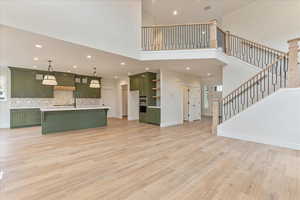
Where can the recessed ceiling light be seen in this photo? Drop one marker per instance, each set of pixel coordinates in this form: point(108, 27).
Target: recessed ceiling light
point(188, 68)
point(116, 77)
point(208, 74)
point(88, 56)
point(69, 71)
point(38, 46)
point(123, 63)
point(175, 12)
point(147, 68)
point(74, 66)
point(35, 58)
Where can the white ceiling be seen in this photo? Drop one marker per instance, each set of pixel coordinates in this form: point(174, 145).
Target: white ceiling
point(18, 49)
point(189, 11)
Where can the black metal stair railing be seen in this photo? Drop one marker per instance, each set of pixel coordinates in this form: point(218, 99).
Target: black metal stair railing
point(175, 37)
point(266, 82)
point(251, 52)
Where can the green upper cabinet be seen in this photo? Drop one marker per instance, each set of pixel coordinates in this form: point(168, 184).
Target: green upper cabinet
point(83, 90)
point(65, 79)
point(134, 83)
point(144, 84)
point(27, 83)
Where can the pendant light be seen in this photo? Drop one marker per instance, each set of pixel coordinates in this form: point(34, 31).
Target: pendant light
point(49, 79)
point(95, 82)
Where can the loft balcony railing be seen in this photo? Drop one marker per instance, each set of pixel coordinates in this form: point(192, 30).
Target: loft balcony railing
point(176, 37)
point(207, 35)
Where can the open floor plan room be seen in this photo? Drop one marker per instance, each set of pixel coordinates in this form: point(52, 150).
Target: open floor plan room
point(150, 100)
point(129, 160)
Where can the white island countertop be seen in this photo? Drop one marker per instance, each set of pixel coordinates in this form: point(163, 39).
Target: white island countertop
point(72, 108)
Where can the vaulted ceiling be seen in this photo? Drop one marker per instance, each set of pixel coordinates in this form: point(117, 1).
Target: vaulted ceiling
point(189, 11)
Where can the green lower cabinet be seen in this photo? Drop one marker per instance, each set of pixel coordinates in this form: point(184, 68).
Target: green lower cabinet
point(143, 117)
point(153, 116)
point(60, 121)
point(25, 117)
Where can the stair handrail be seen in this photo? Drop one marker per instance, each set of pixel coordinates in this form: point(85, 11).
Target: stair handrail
point(262, 84)
point(260, 46)
point(259, 73)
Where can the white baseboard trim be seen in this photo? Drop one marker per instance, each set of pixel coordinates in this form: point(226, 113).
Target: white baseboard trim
point(170, 124)
point(261, 140)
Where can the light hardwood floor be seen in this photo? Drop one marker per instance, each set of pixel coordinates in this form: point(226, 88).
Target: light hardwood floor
point(132, 161)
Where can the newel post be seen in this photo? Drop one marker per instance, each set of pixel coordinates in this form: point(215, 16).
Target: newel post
point(213, 34)
point(215, 116)
point(227, 43)
point(293, 71)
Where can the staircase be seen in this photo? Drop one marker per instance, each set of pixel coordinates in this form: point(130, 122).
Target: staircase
point(277, 69)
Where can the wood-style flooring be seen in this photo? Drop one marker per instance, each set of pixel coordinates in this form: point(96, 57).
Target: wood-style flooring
point(133, 161)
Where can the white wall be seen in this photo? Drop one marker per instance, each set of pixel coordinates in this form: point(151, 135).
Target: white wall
point(271, 22)
point(274, 120)
point(236, 72)
point(4, 110)
point(172, 95)
point(108, 25)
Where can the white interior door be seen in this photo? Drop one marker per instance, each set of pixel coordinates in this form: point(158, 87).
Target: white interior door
point(185, 104)
point(194, 104)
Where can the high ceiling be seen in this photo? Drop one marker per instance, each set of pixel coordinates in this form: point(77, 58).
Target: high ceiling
point(189, 11)
point(18, 49)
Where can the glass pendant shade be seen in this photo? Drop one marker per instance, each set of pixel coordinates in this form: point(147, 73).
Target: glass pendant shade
point(95, 83)
point(49, 79)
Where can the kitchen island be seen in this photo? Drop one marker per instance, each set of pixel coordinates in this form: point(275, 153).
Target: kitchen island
point(65, 119)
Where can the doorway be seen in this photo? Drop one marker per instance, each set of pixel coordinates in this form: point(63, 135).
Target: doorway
point(124, 101)
point(191, 104)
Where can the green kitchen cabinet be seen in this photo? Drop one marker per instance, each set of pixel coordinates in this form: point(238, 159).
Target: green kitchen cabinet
point(27, 83)
point(65, 79)
point(25, 117)
point(143, 117)
point(153, 116)
point(83, 89)
point(134, 83)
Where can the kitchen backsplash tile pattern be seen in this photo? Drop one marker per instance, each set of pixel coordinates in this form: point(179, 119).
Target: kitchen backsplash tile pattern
point(60, 98)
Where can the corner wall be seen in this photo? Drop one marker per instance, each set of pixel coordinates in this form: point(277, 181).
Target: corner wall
point(109, 25)
point(172, 95)
point(269, 22)
point(274, 120)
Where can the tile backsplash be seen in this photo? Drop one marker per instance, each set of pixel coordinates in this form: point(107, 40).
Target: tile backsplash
point(60, 98)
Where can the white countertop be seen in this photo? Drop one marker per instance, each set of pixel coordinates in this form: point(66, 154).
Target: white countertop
point(153, 106)
point(72, 108)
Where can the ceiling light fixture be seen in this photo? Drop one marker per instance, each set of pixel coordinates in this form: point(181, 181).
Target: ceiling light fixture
point(38, 46)
point(74, 66)
point(208, 74)
point(175, 12)
point(188, 68)
point(147, 68)
point(35, 58)
point(123, 63)
point(49, 79)
point(88, 56)
point(95, 83)
point(116, 77)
